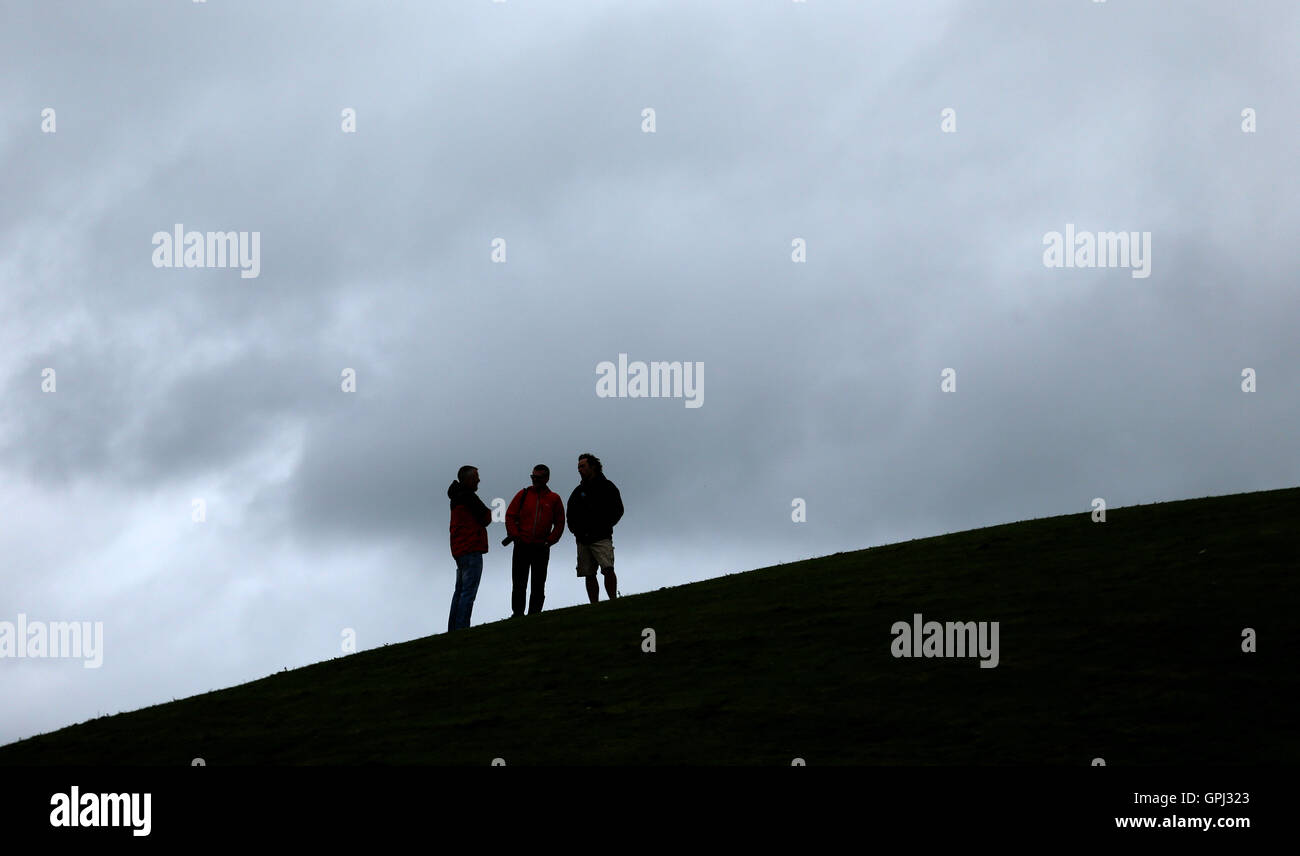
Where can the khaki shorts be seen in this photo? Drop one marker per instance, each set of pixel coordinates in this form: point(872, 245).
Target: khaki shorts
point(597, 553)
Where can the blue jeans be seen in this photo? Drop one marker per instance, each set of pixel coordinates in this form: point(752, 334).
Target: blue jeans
point(469, 570)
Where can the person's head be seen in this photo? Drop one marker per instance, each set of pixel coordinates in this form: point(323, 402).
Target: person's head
point(589, 465)
point(541, 475)
point(468, 476)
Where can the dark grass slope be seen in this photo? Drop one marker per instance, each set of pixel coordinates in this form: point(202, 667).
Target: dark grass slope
point(1119, 640)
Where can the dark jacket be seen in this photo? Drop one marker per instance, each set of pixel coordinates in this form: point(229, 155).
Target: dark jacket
point(535, 517)
point(469, 520)
point(594, 507)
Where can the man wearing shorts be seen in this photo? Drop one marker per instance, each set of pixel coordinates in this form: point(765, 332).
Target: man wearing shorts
point(595, 507)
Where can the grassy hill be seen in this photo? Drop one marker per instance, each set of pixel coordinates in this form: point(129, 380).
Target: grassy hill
point(1119, 640)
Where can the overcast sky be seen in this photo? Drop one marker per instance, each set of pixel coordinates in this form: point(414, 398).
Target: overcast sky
point(923, 234)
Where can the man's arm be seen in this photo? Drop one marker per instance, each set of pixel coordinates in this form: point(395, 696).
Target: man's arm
point(512, 514)
point(615, 505)
point(557, 521)
point(571, 517)
point(482, 513)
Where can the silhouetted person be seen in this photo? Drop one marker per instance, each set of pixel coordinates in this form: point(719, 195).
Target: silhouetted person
point(595, 506)
point(469, 521)
point(535, 520)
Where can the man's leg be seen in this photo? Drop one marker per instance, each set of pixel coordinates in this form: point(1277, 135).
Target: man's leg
point(473, 574)
point(519, 579)
point(541, 557)
point(604, 552)
point(455, 597)
point(587, 569)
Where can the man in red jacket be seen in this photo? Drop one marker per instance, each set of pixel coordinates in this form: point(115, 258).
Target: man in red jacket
point(469, 521)
point(535, 520)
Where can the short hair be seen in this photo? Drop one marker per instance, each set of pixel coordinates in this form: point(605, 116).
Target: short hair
point(545, 469)
point(464, 471)
point(592, 461)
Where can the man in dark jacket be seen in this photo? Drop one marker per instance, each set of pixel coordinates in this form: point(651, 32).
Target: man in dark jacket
point(535, 520)
point(469, 521)
point(595, 506)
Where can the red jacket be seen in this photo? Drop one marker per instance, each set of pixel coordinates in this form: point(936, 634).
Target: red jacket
point(535, 518)
point(469, 520)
